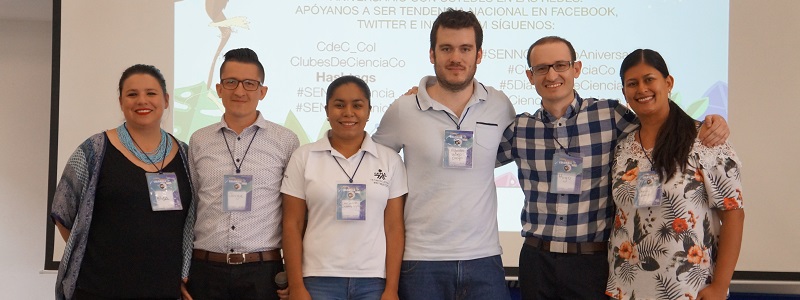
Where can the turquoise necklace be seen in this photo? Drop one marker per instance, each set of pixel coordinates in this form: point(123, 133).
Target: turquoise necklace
point(164, 147)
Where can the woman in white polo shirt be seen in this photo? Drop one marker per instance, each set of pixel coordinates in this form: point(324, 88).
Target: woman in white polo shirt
point(351, 244)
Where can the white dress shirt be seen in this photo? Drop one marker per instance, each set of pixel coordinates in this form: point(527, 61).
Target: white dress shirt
point(259, 229)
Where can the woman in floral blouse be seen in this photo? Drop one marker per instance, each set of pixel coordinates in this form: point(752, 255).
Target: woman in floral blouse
point(678, 226)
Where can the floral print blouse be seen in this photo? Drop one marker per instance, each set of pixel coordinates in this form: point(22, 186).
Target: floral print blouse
point(668, 251)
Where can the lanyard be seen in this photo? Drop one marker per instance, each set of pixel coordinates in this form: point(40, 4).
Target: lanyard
point(560, 145)
point(239, 167)
point(553, 130)
point(164, 158)
point(645, 151)
point(354, 172)
point(458, 125)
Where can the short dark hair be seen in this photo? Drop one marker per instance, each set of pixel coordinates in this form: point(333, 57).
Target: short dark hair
point(548, 40)
point(345, 80)
point(243, 55)
point(457, 19)
point(675, 138)
point(143, 69)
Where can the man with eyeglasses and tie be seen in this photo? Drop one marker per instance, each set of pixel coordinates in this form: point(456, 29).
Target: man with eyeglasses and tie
point(563, 151)
point(237, 166)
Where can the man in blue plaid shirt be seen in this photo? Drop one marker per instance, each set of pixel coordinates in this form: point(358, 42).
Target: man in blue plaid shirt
point(568, 214)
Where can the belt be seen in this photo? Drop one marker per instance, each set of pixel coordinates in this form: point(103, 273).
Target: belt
point(235, 258)
point(565, 247)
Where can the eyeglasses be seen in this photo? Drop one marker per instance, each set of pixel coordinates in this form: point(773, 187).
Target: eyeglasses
point(559, 66)
point(249, 85)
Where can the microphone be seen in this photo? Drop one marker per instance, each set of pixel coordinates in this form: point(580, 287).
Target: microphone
point(281, 281)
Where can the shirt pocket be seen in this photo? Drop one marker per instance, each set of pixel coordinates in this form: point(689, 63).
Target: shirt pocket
point(488, 135)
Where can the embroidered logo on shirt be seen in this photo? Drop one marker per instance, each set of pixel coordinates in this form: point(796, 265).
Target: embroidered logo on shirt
point(380, 178)
point(380, 175)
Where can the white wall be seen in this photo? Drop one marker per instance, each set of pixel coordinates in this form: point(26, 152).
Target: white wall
point(765, 119)
point(25, 60)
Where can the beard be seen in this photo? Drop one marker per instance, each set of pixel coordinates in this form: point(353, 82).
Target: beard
point(453, 86)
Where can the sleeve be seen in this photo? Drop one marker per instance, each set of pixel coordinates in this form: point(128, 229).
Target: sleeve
point(188, 227)
point(192, 158)
point(293, 183)
point(71, 187)
point(399, 184)
point(722, 177)
point(626, 119)
point(294, 143)
point(389, 130)
point(509, 113)
point(504, 154)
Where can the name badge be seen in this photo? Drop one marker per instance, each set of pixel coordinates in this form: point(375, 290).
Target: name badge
point(237, 194)
point(567, 174)
point(351, 202)
point(648, 189)
point(458, 149)
point(164, 193)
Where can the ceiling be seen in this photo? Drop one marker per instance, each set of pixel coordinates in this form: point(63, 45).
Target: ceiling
point(33, 10)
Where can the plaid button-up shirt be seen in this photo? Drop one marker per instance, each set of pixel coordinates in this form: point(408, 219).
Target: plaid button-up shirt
point(589, 129)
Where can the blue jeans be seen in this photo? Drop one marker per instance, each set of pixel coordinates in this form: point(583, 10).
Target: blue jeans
point(345, 288)
point(478, 279)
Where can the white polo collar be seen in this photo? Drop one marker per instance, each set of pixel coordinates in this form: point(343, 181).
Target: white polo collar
point(324, 144)
point(425, 102)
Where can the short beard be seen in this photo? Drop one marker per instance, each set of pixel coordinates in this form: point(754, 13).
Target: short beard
point(453, 86)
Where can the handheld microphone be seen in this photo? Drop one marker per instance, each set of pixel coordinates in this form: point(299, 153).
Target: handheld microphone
point(281, 281)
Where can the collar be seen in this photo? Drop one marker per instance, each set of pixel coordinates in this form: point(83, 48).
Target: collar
point(260, 122)
point(425, 102)
point(324, 144)
point(572, 110)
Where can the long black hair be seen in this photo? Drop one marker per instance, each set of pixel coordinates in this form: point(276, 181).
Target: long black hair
point(676, 136)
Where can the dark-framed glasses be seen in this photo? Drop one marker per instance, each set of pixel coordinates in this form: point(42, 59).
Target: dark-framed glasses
point(559, 66)
point(247, 84)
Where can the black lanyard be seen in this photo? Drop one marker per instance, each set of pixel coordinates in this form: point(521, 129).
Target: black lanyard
point(354, 172)
point(652, 166)
point(239, 167)
point(159, 170)
point(553, 130)
point(458, 125)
